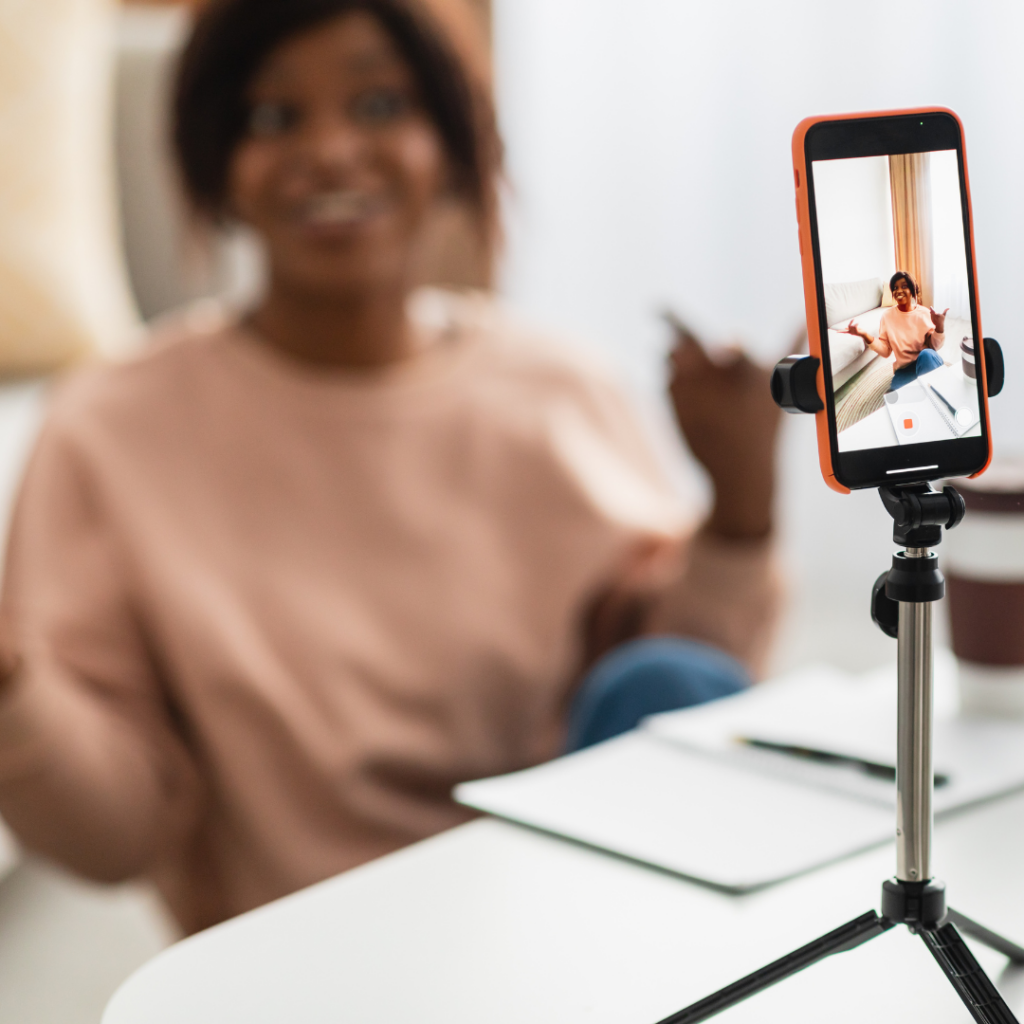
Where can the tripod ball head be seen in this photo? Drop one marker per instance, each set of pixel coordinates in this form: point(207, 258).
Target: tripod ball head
point(920, 514)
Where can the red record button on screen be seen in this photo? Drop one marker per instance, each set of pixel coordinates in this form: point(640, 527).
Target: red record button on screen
point(908, 424)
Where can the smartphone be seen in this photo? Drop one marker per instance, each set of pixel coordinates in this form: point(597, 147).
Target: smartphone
point(887, 245)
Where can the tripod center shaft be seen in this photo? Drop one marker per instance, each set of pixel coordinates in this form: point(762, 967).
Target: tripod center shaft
point(914, 774)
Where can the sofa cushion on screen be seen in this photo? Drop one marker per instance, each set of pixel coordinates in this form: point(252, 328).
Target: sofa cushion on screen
point(63, 288)
point(846, 349)
point(843, 350)
point(850, 298)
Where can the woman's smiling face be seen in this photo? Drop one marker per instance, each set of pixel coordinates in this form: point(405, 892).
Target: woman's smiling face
point(341, 165)
point(901, 293)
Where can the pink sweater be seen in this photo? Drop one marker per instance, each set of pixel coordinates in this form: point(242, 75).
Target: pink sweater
point(904, 334)
point(270, 615)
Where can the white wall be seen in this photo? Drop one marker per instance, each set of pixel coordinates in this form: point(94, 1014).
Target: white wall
point(949, 257)
point(854, 205)
point(649, 152)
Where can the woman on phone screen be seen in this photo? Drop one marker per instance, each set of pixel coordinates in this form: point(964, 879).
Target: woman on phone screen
point(279, 583)
point(911, 333)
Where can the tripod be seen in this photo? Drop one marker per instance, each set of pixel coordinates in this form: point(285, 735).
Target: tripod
point(901, 605)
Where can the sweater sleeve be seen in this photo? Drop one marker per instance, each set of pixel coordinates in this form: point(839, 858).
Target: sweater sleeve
point(724, 592)
point(93, 772)
point(727, 593)
point(883, 336)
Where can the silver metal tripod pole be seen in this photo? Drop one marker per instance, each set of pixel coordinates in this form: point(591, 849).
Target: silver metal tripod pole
point(914, 775)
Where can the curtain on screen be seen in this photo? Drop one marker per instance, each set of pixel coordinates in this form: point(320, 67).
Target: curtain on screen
point(910, 181)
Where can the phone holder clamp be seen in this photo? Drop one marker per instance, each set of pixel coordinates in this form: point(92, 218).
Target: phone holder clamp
point(794, 384)
point(995, 368)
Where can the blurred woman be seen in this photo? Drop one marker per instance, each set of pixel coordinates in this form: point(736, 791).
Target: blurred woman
point(277, 585)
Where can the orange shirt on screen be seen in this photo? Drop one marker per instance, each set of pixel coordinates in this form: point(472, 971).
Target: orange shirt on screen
point(904, 334)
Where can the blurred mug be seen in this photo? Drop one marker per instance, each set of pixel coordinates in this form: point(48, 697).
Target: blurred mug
point(967, 355)
point(984, 568)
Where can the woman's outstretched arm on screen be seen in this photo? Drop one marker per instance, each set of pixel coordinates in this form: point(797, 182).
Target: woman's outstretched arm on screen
point(879, 344)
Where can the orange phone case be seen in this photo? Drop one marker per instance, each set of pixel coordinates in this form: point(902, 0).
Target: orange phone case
point(811, 287)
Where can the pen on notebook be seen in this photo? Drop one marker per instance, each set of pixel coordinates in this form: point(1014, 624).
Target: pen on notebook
point(872, 768)
point(945, 401)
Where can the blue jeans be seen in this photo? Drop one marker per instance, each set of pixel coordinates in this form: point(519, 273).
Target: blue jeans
point(927, 361)
point(645, 677)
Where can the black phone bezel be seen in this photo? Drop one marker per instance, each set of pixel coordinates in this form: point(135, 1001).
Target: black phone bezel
point(883, 136)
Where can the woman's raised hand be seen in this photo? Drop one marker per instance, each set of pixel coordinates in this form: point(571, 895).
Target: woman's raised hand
point(939, 320)
point(852, 328)
point(724, 407)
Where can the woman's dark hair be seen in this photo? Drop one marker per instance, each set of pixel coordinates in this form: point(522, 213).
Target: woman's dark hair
point(911, 283)
point(232, 40)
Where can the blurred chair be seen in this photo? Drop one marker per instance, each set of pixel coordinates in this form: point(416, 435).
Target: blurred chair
point(171, 259)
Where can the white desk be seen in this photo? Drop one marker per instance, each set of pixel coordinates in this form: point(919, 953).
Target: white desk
point(494, 923)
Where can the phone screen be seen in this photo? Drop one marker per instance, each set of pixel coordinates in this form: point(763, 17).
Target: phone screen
point(897, 305)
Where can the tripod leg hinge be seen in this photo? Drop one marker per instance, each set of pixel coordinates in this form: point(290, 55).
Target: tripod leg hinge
point(919, 905)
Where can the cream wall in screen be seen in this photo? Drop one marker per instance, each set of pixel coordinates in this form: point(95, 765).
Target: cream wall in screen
point(854, 206)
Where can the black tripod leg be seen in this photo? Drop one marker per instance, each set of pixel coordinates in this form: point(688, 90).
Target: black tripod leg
point(850, 935)
point(969, 980)
point(990, 939)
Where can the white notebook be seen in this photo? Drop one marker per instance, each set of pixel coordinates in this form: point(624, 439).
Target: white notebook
point(938, 406)
point(824, 709)
point(955, 396)
point(914, 416)
point(680, 794)
point(649, 800)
